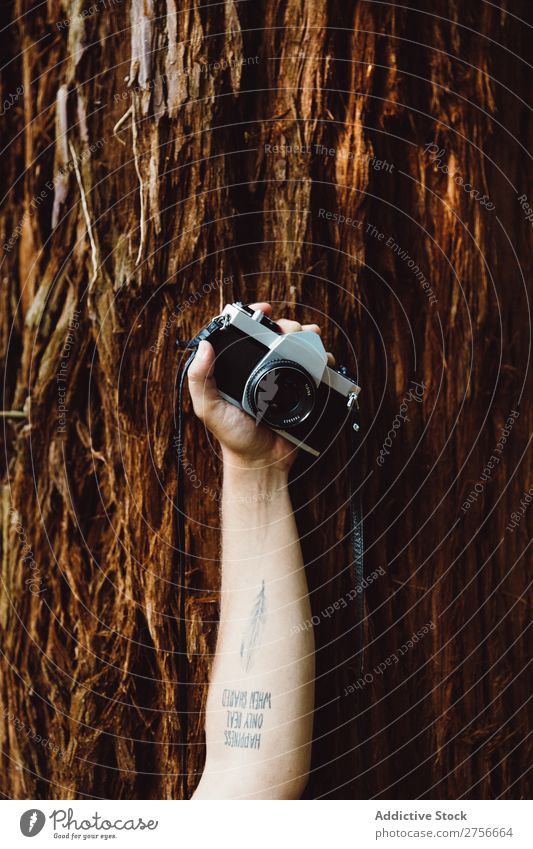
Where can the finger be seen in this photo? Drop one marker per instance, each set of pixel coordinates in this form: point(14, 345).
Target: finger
point(263, 306)
point(202, 385)
point(313, 327)
point(289, 326)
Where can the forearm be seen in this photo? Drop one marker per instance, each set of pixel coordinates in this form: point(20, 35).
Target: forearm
point(260, 703)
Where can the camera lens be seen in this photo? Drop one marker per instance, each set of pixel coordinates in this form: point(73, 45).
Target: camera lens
point(281, 394)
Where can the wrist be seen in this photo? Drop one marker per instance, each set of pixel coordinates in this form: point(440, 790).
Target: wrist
point(250, 467)
point(254, 475)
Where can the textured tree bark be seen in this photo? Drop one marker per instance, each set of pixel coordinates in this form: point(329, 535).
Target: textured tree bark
point(163, 159)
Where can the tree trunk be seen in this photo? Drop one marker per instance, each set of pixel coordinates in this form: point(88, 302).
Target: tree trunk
point(165, 158)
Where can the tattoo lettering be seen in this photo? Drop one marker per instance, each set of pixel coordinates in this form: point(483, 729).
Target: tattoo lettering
point(252, 635)
point(245, 716)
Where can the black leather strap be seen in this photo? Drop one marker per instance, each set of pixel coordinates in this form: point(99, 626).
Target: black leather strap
point(356, 516)
point(183, 663)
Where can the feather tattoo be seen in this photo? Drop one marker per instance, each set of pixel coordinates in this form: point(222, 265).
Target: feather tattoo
point(252, 635)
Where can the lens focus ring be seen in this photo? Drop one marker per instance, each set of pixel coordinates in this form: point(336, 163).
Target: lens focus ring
point(281, 394)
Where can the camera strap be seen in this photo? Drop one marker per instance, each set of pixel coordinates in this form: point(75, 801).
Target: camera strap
point(183, 662)
point(356, 565)
point(357, 540)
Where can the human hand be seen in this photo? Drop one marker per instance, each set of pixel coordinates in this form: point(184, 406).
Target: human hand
point(244, 443)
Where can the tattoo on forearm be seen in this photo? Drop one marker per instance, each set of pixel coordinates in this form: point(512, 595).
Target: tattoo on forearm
point(251, 638)
point(244, 717)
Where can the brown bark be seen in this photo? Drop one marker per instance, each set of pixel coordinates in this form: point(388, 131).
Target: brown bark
point(151, 122)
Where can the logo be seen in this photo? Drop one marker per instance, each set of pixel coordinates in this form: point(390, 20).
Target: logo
point(32, 822)
point(268, 389)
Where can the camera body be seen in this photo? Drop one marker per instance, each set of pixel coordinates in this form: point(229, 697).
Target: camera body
point(281, 380)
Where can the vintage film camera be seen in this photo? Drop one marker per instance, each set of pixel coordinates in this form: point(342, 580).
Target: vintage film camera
point(282, 380)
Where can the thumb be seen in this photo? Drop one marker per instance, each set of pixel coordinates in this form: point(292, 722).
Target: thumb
point(202, 385)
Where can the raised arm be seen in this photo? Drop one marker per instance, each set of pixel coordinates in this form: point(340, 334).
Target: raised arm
point(260, 703)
